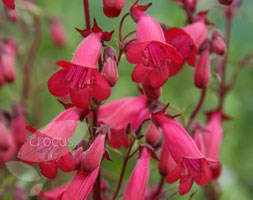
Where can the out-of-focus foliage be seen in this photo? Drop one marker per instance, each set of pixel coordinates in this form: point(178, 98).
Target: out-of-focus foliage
point(236, 153)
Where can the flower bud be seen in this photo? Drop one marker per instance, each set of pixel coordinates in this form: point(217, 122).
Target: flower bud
point(94, 154)
point(11, 14)
point(166, 162)
point(202, 73)
point(110, 68)
point(152, 135)
point(112, 8)
point(226, 2)
point(7, 61)
point(57, 32)
point(218, 43)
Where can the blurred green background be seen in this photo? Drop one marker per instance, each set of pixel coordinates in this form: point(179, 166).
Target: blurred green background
point(236, 152)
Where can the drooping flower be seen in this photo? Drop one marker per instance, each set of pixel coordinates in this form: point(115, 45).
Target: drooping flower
point(110, 68)
point(57, 32)
point(9, 3)
point(93, 156)
point(138, 181)
point(80, 78)
point(212, 140)
point(192, 165)
point(112, 8)
point(150, 52)
point(48, 147)
point(81, 186)
point(118, 114)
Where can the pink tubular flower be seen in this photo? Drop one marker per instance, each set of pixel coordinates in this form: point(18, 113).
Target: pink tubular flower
point(197, 31)
point(191, 164)
point(110, 68)
point(7, 145)
point(9, 3)
point(138, 181)
point(120, 113)
point(81, 186)
point(202, 72)
point(150, 52)
point(93, 156)
point(112, 8)
point(57, 32)
point(80, 78)
point(212, 140)
point(48, 146)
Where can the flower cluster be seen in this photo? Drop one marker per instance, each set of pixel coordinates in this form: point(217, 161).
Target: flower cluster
point(188, 152)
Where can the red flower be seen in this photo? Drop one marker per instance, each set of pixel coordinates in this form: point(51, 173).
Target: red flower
point(80, 78)
point(138, 181)
point(191, 164)
point(120, 113)
point(48, 146)
point(9, 3)
point(112, 8)
point(150, 52)
point(218, 43)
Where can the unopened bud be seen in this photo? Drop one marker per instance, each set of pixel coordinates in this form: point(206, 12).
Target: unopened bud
point(226, 2)
point(112, 8)
point(218, 43)
point(57, 32)
point(94, 154)
point(11, 14)
point(152, 135)
point(110, 69)
point(202, 73)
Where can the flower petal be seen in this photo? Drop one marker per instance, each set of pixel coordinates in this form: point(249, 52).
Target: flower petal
point(48, 169)
point(185, 184)
point(134, 53)
point(80, 98)
point(56, 84)
point(101, 90)
point(139, 73)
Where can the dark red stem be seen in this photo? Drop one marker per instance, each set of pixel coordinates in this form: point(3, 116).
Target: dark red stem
point(123, 170)
point(27, 70)
point(188, 11)
point(198, 107)
point(158, 191)
point(86, 13)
